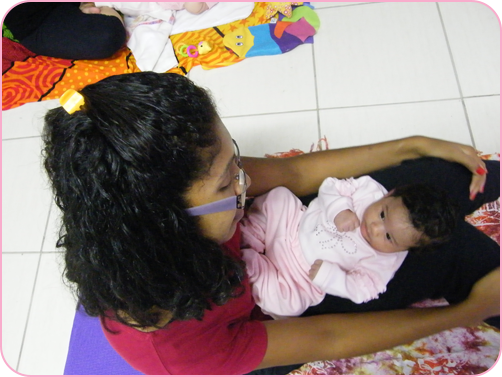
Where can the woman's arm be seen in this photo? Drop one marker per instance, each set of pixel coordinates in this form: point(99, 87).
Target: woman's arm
point(336, 336)
point(304, 174)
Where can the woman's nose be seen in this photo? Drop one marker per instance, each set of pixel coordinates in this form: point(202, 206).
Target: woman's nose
point(248, 180)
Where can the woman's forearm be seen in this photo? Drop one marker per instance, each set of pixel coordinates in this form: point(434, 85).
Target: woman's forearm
point(336, 336)
point(304, 174)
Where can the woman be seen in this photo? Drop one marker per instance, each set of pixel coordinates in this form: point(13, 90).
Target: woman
point(151, 187)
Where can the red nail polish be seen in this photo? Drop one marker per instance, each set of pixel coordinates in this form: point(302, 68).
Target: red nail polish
point(480, 171)
point(472, 196)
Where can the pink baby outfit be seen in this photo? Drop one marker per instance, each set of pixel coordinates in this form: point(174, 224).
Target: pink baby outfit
point(281, 239)
point(180, 6)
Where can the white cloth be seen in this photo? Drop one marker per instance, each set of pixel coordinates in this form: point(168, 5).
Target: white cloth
point(149, 26)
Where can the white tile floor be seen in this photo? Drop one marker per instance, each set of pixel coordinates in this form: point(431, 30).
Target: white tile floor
point(376, 71)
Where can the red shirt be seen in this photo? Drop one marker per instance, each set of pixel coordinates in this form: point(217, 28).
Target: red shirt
point(227, 341)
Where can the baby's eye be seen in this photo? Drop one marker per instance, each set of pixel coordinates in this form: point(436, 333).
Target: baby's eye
point(382, 215)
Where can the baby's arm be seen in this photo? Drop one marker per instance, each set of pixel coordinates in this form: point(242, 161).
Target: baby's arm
point(336, 199)
point(358, 285)
point(335, 196)
point(89, 8)
point(196, 8)
point(346, 221)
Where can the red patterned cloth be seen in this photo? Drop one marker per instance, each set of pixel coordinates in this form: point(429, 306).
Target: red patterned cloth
point(13, 52)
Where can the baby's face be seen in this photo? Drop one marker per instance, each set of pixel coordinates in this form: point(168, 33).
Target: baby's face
point(386, 226)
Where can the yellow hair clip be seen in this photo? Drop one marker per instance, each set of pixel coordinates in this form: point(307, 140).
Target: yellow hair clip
point(72, 101)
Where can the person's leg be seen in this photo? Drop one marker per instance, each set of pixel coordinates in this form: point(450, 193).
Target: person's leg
point(68, 33)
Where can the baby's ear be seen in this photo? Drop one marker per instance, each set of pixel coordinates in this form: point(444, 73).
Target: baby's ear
point(390, 193)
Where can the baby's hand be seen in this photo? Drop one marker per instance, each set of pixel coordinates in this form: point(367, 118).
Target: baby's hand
point(89, 8)
point(314, 269)
point(346, 221)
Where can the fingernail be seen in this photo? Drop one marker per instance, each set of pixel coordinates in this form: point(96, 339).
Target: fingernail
point(480, 171)
point(472, 195)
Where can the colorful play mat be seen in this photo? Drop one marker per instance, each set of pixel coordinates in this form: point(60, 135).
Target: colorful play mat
point(270, 29)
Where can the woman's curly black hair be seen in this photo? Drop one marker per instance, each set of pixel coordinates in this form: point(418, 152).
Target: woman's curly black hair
point(119, 169)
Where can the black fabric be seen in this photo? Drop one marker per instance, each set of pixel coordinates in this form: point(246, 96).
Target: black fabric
point(451, 270)
point(61, 30)
point(25, 18)
point(276, 370)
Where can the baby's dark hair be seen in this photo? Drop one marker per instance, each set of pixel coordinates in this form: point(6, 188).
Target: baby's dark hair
point(120, 169)
point(432, 213)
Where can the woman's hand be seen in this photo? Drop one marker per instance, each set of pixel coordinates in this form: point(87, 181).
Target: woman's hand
point(460, 153)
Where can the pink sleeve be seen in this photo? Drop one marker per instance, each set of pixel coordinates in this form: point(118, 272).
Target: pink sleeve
point(358, 285)
point(335, 195)
point(170, 5)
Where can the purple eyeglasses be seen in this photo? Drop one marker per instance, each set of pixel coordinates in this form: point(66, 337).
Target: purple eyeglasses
point(227, 204)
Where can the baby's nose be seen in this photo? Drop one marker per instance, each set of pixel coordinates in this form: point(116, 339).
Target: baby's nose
point(376, 229)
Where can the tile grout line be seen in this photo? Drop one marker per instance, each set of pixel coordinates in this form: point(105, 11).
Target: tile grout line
point(46, 227)
point(33, 290)
point(462, 98)
point(21, 138)
point(361, 106)
point(29, 313)
point(318, 115)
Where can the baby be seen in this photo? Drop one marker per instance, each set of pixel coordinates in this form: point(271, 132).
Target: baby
point(349, 242)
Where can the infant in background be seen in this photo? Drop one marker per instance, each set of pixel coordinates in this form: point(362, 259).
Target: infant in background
point(349, 242)
point(194, 8)
point(152, 8)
